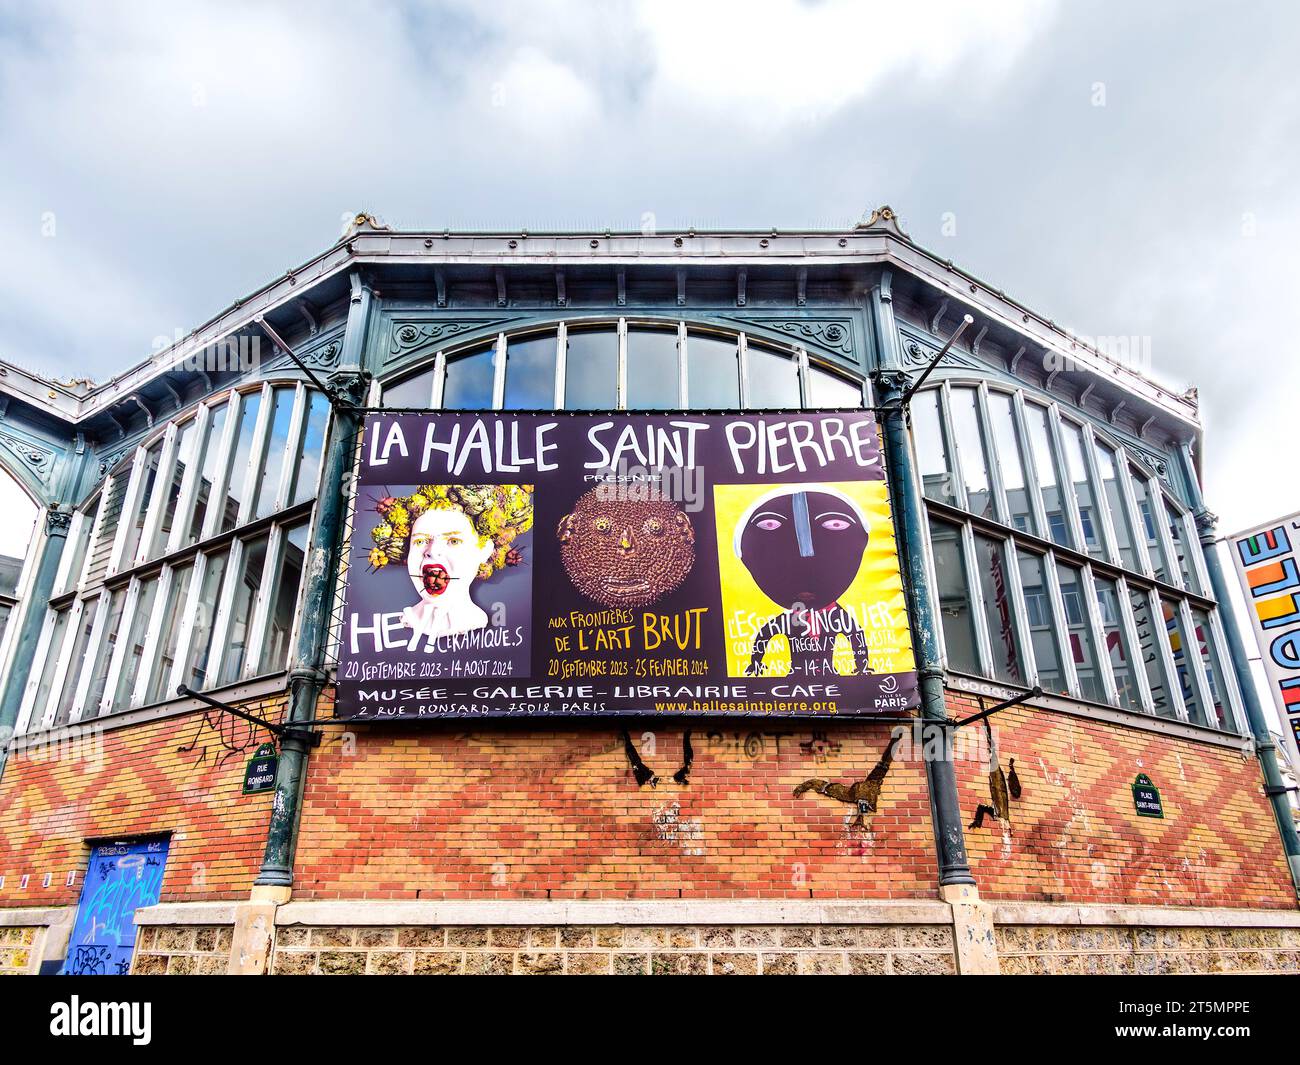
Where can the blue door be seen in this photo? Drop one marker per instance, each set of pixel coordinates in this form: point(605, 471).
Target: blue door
point(120, 879)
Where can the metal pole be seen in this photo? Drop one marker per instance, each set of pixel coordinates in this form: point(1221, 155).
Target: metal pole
point(909, 517)
point(306, 677)
point(321, 386)
point(966, 322)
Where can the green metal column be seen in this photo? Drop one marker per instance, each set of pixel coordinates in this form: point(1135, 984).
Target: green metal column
point(1265, 748)
point(33, 607)
point(306, 673)
point(909, 518)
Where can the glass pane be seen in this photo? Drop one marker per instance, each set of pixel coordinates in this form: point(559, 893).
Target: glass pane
point(160, 688)
point(149, 476)
point(1214, 674)
point(773, 380)
point(652, 374)
point(186, 443)
point(828, 390)
point(1082, 484)
point(713, 372)
point(200, 673)
point(50, 667)
point(1040, 440)
point(1142, 495)
point(11, 568)
point(1117, 643)
point(530, 373)
point(1183, 666)
point(277, 446)
point(104, 654)
point(1008, 447)
point(414, 391)
point(137, 636)
point(968, 442)
point(241, 609)
point(293, 550)
point(77, 662)
point(996, 597)
point(951, 589)
point(6, 611)
point(1082, 647)
point(1042, 630)
point(239, 466)
point(1149, 635)
point(313, 447)
point(208, 472)
point(931, 448)
point(469, 380)
point(591, 371)
point(1177, 528)
point(1106, 464)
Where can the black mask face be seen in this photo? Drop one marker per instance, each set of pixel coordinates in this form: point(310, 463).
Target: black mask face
point(803, 548)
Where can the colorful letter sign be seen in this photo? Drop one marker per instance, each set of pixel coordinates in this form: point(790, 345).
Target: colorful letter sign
point(525, 564)
point(1268, 563)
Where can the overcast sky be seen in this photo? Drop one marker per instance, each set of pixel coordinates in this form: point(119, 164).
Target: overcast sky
point(1123, 169)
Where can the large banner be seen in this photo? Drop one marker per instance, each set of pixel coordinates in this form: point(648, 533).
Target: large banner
point(525, 564)
point(1268, 562)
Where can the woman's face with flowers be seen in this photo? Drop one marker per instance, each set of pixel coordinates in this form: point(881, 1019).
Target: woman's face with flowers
point(444, 549)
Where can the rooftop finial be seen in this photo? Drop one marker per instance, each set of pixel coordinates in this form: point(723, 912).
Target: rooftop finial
point(882, 217)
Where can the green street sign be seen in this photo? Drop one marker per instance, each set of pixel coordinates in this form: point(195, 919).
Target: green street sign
point(1146, 797)
point(259, 772)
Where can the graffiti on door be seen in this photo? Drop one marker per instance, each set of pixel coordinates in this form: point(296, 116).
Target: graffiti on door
point(120, 879)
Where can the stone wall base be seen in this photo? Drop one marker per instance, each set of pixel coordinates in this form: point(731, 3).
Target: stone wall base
point(34, 939)
point(717, 950)
point(957, 935)
point(1041, 940)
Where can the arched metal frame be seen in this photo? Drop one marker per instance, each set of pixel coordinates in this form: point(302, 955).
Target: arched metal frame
point(1161, 575)
point(123, 572)
point(434, 366)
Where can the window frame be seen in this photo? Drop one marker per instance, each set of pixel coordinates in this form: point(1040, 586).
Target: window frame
point(497, 348)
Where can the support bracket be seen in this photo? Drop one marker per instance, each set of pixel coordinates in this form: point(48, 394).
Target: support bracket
point(1033, 693)
point(296, 731)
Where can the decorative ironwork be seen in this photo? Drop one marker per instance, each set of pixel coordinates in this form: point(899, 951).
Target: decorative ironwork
point(825, 333)
point(407, 336)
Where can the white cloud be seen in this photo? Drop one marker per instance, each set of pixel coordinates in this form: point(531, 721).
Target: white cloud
point(20, 515)
point(760, 61)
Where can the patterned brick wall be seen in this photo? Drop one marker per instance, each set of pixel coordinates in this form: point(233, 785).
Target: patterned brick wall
point(1073, 835)
point(179, 774)
point(551, 810)
point(544, 810)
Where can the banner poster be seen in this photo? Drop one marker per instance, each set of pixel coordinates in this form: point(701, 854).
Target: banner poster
point(532, 564)
point(1267, 561)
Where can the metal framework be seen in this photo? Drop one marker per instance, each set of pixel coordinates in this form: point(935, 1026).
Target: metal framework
point(162, 579)
point(1137, 589)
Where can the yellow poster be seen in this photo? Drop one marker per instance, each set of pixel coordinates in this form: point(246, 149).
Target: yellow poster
point(810, 580)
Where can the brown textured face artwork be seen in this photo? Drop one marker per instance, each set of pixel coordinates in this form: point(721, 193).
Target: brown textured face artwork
point(626, 552)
